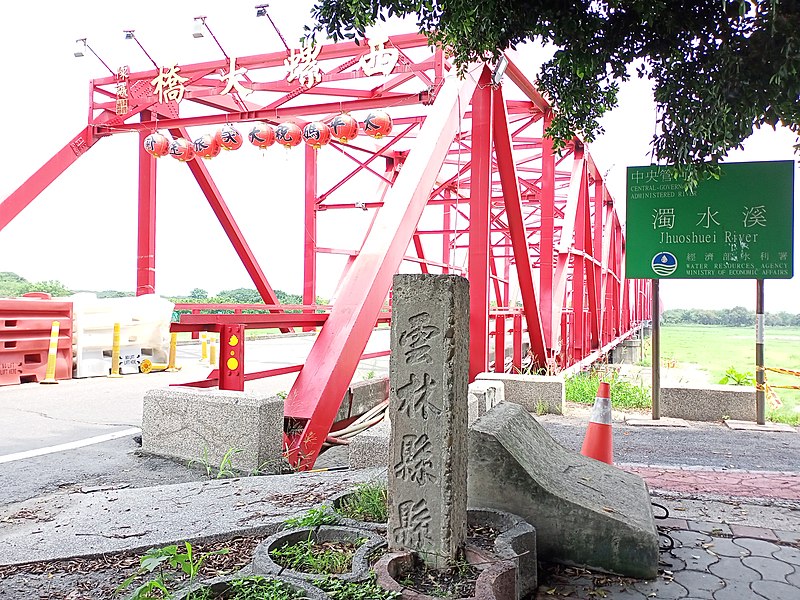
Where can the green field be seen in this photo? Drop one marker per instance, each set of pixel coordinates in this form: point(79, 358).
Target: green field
point(715, 348)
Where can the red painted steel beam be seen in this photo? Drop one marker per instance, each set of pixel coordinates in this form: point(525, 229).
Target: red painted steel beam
point(47, 174)
point(190, 322)
point(575, 346)
point(228, 223)
point(423, 264)
point(446, 238)
point(310, 230)
point(479, 213)
point(495, 280)
point(146, 240)
point(594, 244)
point(231, 357)
point(499, 344)
point(519, 241)
point(565, 243)
point(550, 311)
point(276, 115)
point(515, 74)
point(317, 393)
point(213, 377)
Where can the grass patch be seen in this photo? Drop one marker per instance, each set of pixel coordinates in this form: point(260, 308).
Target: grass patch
point(582, 388)
point(718, 349)
point(338, 589)
point(313, 517)
point(258, 588)
point(309, 556)
point(369, 502)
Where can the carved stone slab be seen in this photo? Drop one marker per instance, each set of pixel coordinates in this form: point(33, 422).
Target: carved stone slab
point(428, 408)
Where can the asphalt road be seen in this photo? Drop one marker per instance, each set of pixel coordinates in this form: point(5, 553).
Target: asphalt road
point(699, 445)
point(35, 418)
point(116, 463)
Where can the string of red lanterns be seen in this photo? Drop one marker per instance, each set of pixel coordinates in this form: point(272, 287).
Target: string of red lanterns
point(343, 128)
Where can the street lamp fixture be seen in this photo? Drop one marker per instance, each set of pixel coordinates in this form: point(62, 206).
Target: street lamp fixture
point(199, 24)
point(261, 11)
point(129, 35)
point(499, 70)
point(81, 45)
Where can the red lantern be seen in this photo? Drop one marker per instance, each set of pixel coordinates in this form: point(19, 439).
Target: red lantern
point(288, 134)
point(377, 124)
point(344, 128)
point(316, 134)
point(207, 146)
point(181, 149)
point(229, 138)
point(262, 135)
point(156, 144)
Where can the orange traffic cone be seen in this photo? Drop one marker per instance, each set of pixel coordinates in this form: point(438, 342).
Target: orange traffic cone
point(598, 443)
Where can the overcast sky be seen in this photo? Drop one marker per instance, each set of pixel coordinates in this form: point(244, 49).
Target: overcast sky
point(82, 229)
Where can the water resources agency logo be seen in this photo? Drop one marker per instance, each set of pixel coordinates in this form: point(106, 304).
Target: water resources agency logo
point(664, 264)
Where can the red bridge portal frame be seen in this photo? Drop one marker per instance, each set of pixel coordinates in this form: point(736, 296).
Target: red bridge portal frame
point(466, 184)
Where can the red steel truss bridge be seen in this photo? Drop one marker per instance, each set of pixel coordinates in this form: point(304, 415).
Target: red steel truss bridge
point(465, 183)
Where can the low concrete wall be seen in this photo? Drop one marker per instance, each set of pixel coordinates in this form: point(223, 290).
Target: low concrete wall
point(371, 447)
point(709, 403)
point(483, 395)
point(199, 425)
point(362, 396)
point(535, 393)
point(629, 352)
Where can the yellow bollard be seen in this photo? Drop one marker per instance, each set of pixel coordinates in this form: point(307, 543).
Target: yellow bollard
point(173, 345)
point(52, 355)
point(203, 346)
point(115, 353)
point(213, 351)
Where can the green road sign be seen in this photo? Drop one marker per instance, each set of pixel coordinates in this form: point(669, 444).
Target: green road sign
point(737, 227)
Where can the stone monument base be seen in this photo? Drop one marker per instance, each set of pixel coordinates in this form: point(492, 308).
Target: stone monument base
point(585, 512)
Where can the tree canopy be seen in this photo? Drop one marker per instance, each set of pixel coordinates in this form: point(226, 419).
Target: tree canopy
point(719, 68)
point(13, 285)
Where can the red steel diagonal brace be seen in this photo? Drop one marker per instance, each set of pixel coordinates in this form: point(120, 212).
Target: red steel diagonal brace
point(47, 174)
point(146, 239)
point(479, 215)
point(519, 240)
point(228, 223)
point(317, 393)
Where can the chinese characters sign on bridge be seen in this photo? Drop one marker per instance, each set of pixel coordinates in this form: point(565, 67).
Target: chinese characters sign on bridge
point(737, 227)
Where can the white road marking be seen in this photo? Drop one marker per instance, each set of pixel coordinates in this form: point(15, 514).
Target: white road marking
point(69, 445)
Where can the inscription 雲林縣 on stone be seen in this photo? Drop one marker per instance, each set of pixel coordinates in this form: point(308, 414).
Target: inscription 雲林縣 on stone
point(428, 407)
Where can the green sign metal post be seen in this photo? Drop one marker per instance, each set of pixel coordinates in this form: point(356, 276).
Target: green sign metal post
point(737, 227)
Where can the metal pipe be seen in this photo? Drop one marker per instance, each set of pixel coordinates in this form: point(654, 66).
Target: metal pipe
point(760, 375)
point(655, 366)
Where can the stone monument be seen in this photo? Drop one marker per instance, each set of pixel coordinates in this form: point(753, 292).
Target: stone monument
point(428, 408)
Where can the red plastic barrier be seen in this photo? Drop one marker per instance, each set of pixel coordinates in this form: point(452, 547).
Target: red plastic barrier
point(25, 325)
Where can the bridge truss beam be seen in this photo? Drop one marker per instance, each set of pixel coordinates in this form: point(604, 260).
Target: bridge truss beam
point(466, 183)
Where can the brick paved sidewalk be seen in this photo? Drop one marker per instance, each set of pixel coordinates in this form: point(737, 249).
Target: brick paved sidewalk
point(715, 561)
point(707, 565)
point(722, 482)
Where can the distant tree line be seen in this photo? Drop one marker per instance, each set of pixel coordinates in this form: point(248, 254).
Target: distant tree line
point(737, 316)
point(14, 286)
point(238, 296)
